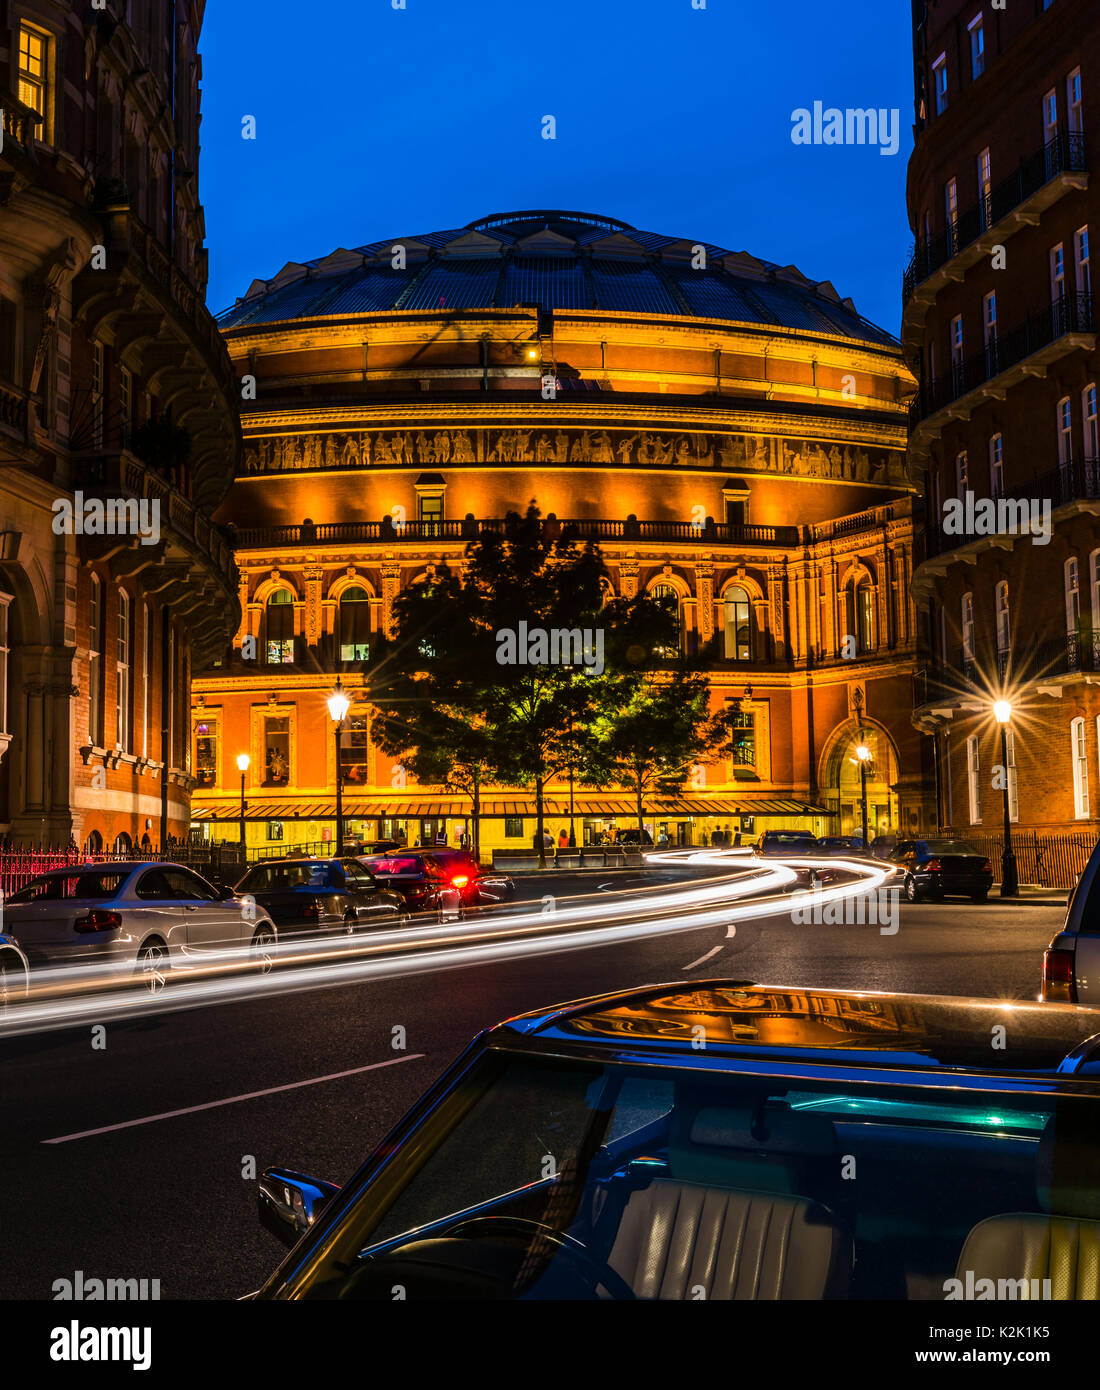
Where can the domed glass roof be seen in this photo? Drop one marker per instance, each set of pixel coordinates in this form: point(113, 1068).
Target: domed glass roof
point(552, 260)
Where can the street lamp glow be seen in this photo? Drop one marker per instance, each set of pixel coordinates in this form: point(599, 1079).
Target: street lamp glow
point(338, 703)
point(243, 761)
point(863, 753)
point(1002, 711)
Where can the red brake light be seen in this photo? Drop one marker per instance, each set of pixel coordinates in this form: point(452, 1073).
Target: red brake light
point(312, 909)
point(1059, 984)
point(987, 864)
point(98, 920)
point(933, 866)
point(460, 880)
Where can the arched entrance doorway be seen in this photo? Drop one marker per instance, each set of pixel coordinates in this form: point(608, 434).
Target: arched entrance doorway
point(839, 783)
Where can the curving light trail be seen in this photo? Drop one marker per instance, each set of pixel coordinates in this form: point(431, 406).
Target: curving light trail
point(64, 997)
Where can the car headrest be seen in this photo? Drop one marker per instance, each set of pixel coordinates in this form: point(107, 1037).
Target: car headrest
point(761, 1147)
point(1067, 1176)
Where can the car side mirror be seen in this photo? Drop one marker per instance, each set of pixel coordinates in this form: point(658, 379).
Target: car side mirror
point(289, 1202)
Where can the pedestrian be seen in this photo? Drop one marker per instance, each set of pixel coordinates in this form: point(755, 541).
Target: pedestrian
point(563, 838)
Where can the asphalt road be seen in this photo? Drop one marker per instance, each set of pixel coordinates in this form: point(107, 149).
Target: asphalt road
point(174, 1198)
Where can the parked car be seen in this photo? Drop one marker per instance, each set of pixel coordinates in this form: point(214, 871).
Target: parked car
point(934, 868)
point(682, 1173)
point(793, 842)
point(322, 895)
point(483, 886)
point(841, 845)
point(1071, 963)
point(424, 882)
point(883, 846)
point(148, 918)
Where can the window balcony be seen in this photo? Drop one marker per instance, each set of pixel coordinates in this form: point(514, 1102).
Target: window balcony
point(1016, 202)
point(1029, 350)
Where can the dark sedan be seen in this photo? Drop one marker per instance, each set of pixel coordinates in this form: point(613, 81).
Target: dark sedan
point(590, 1151)
point(840, 845)
point(425, 881)
point(322, 895)
point(483, 886)
point(934, 868)
point(793, 842)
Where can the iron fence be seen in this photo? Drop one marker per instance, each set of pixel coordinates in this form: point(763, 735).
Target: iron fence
point(221, 864)
point(1048, 860)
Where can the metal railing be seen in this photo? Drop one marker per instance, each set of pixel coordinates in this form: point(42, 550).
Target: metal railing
point(1064, 154)
point(222, 864)
point(1049, 860)
point(1072, 313)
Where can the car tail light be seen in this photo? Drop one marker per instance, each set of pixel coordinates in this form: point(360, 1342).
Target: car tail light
point(460, 880)
point(311, 910)
point(1059, 984)
point(933, 866)
point(98, 920)
point(987, 866)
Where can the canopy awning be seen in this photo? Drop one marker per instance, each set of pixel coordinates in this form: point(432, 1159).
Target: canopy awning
point(258, 809)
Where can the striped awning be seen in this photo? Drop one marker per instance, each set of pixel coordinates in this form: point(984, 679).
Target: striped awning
point(257, 809)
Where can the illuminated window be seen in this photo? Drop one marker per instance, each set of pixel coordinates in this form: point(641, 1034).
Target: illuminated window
point(667, 596)
point(122, 671)
point(743, 737)
point(5, 600)
point(974, 779)
point(354, 625)
point(430, 511)
point(1079, 754)
point(1057, 272)
point(95, 664)
point(1004, 621)
point(513, 827)
point(34, 75)
point(859, 599)
point(1074, 103)
point(1081, 257)
point(996, 466)
point(977, 47)
point(353, 749)
point(206, 754)
point(1073, 595)
point(276, 751)
point(968, 627)
point(279, 628)
point(1065, 430)
point(738, 625)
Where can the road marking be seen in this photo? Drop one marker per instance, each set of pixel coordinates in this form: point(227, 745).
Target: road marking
point(232, 1100)
point(701, 959)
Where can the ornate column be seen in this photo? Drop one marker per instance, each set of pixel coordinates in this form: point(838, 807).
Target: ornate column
point(391, 584)
point(775, 606)
point(704, 595)
point(311, 618)
point(628, 575)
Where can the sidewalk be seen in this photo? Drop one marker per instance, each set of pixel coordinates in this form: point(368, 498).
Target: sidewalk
point(1033, 894)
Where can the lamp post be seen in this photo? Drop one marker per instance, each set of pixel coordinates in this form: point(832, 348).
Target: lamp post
point(243, 761)
point(863, 753)
point(338, 705)
point(1002, 712)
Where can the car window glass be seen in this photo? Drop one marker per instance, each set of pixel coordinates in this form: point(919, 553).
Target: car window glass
point(154, 884)
point(185, 886)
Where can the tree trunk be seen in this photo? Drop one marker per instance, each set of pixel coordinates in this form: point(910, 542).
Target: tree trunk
point(539, 822)
point(641, 827)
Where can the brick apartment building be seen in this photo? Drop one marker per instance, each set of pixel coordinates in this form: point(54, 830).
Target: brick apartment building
point(1000, 326)
point(114, 386)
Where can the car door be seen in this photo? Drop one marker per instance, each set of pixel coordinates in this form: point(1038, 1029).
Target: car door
point(208, 924)
point(370, 906)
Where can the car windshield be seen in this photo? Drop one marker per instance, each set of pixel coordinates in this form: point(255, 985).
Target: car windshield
point(395, 865)
point(544, 1179)
point(102, 884)
point(788, 837)
point(946, 847)
point(293, 873)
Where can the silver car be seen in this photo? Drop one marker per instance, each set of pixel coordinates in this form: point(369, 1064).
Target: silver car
point(143, 918)
point(1071, 964)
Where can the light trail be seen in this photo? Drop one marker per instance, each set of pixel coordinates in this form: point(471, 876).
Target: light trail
point(66, 997)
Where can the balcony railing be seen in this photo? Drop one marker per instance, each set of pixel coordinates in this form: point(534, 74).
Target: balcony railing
point(13, 409)
point(20, 121)
point(471, 528)
point(976, 678)
point(1065, 154)
point(1070, 314)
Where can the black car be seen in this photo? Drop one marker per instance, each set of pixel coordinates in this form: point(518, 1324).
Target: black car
point(592, 1151)
point(423, 879)
point(793, 842)
point(840, 845)
point(483, 886)
point(934, 868)
point(322, 895)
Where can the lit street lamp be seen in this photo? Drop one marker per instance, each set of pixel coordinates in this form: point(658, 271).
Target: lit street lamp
point(338, 705)
point(243, 761)
point(1002, 712)
point(863, 753)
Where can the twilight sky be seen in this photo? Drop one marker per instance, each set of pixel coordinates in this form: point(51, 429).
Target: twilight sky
point(373, 122)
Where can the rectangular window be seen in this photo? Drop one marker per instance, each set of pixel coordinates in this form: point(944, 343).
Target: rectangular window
point(170, 686)
point(1050, 116)
point(34, 76)
point(1088, 410)
point(743, 738)
point(989, 318)
point(206, 754)
point(1065, 430)
point(276, 751)
point(1079, 754)
point(513, 827)
point(962, 476)
point(146, 676)
point(968, 627)
point(122, 670)
point(1057, 272)
point(1004, 621)
point(1081, 259)
point(1013, 801)
point(977, 47)
point(95, 664)
point(1074, 106)
point(354, 750)
point(957, 341)
point(1073, 596)
point(985, 188)
point(274, 830)
point(939, 83)
point(4, 651)
point(430, 510)
point(974, 779)
point(951, 213)
point(996, 466)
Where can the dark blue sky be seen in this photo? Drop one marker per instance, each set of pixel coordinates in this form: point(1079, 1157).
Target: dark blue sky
point(374, 122)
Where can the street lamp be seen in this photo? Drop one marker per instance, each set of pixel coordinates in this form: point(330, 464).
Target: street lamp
point(243, 761)
point(1002, 712)
point(338, 705)
point(863, 753)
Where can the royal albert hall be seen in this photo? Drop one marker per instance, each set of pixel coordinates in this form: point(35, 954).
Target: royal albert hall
point(730, 432)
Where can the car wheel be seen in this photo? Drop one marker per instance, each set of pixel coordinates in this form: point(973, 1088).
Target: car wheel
point(911, 893)
point(261, 951)
point(403, 919)
point(152, 966)
point(11, 980)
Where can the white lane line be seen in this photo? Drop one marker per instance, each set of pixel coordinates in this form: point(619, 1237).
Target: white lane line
point(232, 1100)
point(701, 959)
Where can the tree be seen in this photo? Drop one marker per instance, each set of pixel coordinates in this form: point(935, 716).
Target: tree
point(651, 740)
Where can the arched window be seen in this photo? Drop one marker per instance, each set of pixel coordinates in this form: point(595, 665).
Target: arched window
point(94, 843)
point(279, 628)
point(738, 625)
point(1079, 754)
point(354, 625)
point(859, 597)
point(123, 843)
point(667, 595)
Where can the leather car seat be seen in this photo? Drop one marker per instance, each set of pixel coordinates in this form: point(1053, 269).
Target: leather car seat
point(728, 1220)
point(1062, 1246)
